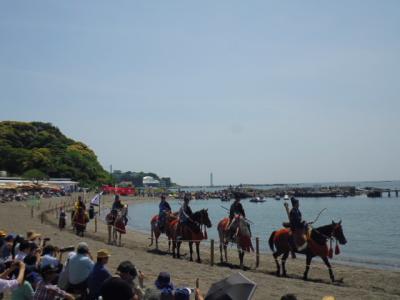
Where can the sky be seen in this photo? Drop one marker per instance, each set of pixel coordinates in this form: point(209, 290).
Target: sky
point(253, 91)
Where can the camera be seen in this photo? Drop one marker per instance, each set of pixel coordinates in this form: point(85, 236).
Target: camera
point(67, 249)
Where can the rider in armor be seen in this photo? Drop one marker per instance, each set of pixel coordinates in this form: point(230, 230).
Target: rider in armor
point(298, 226)
point(185, 217)
point(164, 210)
point(117, 203)
point(236, 209)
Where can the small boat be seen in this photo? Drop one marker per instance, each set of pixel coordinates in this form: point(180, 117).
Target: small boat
point(286, 197)
point(277, 197)
point(225, 199)
point(257, 200)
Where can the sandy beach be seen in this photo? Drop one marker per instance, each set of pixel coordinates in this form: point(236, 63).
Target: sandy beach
point(353, 282)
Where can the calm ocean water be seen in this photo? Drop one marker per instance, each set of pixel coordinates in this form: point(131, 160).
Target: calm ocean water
point(370, 224)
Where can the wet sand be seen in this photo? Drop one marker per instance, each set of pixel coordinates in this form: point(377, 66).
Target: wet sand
point(353, 282)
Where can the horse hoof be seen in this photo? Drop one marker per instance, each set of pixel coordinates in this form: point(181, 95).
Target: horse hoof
point(198, 261)
point(305, 278)
point(191, 259)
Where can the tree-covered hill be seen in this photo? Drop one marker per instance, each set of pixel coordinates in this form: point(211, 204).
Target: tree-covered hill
point(34, 147)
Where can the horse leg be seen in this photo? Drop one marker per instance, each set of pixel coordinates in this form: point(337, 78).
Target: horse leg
point(198, 252)
point(241, 257)
point(191, 250)
point(284, 257)
point(178, 249)
point(327, 263)
point(173, 249)
point(278, 267)
point(308, 263)
point(220, 251)
point(109, 234)
point(120, 239)
point(226, 252)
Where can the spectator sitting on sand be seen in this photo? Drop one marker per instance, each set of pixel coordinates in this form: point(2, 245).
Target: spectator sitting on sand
point(127, 271)
point(99, 274)
point(116, 288)
point(80, 266)
point(12, 284)
point(48, 291)
point(49, 257)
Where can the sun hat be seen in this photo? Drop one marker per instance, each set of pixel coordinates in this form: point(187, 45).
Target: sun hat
point(103, 253)
point(2, 234)
point(32, 235)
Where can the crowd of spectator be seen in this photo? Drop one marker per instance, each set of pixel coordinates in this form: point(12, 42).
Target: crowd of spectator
point(32, 268)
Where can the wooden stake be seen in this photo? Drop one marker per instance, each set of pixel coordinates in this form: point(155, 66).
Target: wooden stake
point(212, 253)
point(31, 211)
point(257, 252)
point(95, 223)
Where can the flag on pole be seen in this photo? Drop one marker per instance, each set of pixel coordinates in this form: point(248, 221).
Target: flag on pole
point(96, 199)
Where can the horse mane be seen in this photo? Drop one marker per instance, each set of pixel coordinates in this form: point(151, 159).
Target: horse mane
point(197, 215)
point(322, 233)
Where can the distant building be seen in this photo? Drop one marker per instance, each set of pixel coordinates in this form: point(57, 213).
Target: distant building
point(165, 182)
point(150, 181)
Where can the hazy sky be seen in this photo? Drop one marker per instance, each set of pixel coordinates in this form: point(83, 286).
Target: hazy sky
point(254, 91)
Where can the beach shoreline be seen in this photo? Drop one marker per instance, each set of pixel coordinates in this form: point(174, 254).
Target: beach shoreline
point(358, 282)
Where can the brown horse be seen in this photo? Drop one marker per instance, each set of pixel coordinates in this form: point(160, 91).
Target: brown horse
point(242, 237)
point(156, 232)
point(79, 220)
point(316, 246)
point(192, 236)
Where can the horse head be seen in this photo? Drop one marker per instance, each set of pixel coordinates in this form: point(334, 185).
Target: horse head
point(202, 218)
point(337, 232)
point(243, 225)
point(205, 219)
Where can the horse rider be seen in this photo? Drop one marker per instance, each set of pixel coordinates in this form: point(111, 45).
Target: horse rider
point(235, 209)
point(164, 210)
point(80, 204)
point(297, 225)
point(185, 217)
point(117, 204)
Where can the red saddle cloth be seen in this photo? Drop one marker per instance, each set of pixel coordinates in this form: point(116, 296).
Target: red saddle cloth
point(120, 226)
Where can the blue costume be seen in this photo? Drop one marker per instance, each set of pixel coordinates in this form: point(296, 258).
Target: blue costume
point(164, 207)
point(295, 218)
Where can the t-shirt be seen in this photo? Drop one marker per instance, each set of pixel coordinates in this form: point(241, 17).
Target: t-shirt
point(96, 278)
point(23, 292)
point(79, 268)
point(49, 260)
point(6, 285)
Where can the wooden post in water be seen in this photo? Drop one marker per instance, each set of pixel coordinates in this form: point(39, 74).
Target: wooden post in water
point(257, 252)
point(212, 252)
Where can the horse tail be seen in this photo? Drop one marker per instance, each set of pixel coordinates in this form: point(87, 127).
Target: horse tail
point(271, 241)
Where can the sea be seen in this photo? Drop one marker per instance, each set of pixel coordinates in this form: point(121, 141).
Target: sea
point(371, 225)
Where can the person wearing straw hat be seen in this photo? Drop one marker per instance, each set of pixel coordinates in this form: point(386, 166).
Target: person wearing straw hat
point(99, 274)
point(32, 236)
